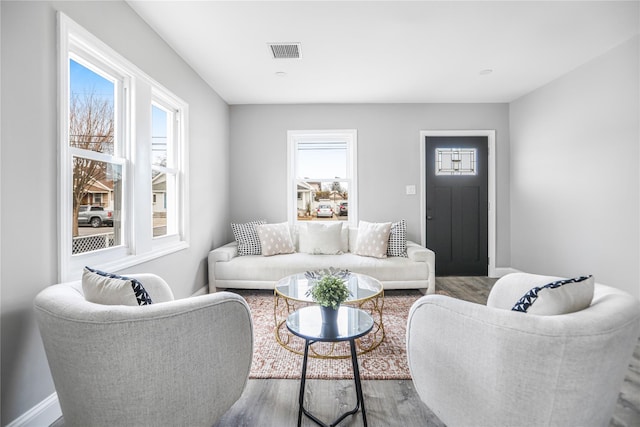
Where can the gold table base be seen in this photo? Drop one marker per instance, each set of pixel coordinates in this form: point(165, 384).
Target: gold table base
point(283, 306)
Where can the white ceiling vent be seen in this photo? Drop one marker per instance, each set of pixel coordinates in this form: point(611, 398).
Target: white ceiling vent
point(285, 50)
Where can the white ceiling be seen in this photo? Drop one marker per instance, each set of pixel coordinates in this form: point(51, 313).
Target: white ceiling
point(387, 51)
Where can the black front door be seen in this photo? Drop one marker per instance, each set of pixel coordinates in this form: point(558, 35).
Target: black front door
point(457, 204)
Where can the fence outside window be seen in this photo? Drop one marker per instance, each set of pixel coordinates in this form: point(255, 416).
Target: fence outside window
point(82, 244)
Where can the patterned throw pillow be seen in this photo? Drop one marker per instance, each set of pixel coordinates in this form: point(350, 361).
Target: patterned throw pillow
point(398, 239)
point(373, 239)
point(559, 297)
point(247, 238)
point(275, 239)
point(111, 289)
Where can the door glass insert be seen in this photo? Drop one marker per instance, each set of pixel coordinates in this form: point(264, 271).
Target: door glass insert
point(456, 161)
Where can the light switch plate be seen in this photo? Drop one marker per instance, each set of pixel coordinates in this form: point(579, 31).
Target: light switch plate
point(411, 189)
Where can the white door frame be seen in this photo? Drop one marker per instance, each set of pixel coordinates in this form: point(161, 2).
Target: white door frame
point(491, 160)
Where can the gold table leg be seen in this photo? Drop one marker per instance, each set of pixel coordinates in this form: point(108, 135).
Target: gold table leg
point(283, 306)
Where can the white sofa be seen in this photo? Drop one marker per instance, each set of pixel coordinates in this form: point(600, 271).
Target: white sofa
point(228, 270)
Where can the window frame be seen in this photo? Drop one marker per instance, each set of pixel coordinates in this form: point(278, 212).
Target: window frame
point(175, 118)
point(294, 137)
point(133, 97)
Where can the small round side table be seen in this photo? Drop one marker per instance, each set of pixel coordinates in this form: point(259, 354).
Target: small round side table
point(352, 323)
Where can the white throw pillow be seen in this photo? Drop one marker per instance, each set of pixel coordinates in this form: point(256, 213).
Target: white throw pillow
point(344, 238)
point(541, 295)
point(353, 239)
point(275, 239)
point(111, 289)
point(321, 238)
point(373, 239)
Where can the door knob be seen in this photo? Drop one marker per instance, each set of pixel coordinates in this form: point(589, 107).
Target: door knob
point(429, 218)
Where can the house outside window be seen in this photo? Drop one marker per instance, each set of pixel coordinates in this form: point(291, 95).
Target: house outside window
point(322, 176)
point(98, 143)
point(165, 122)
point(94, 146)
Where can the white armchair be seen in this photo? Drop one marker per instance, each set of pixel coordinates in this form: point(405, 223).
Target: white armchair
point(175, 362)
point(476, 365)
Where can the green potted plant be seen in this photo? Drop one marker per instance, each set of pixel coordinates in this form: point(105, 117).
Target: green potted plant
point(329, 292)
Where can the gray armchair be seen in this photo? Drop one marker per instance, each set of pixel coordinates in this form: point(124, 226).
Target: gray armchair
point(476, 365)
point(175, 362)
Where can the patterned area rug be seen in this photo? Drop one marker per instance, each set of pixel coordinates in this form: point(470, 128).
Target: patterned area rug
point(386, 362)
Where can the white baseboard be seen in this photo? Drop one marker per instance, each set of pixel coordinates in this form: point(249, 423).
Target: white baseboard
point(43, 414)
point(503, 271)
point(202, 291)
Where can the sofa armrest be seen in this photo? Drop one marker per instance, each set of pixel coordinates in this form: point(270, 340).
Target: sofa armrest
point(418, 253)
point(224, 253)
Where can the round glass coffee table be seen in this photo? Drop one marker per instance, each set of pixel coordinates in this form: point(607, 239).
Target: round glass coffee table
point(290, 294)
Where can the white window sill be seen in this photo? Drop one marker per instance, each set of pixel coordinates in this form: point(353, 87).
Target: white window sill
point(118, 265)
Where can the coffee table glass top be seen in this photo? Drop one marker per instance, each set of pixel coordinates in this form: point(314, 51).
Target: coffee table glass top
point(360, 286)
point(307, 323)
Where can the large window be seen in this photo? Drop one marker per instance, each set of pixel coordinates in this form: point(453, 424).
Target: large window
point(322, 176)
point(122, 182)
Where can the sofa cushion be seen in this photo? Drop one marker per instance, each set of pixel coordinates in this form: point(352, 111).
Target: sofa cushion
point(275, 239)
point(373, 239)
point(321, 238)
point(398, 239)
point(247, 237)
point(111, 289)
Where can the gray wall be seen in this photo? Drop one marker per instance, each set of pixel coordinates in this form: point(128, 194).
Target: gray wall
point(563, 207)
point(388, 156)
point(29, 172)
point(574, 173)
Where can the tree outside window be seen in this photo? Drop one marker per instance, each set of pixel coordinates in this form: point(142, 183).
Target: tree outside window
point(91, 131)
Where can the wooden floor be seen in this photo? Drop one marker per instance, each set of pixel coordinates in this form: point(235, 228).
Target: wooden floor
point(388, 403)
point(274, 403)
